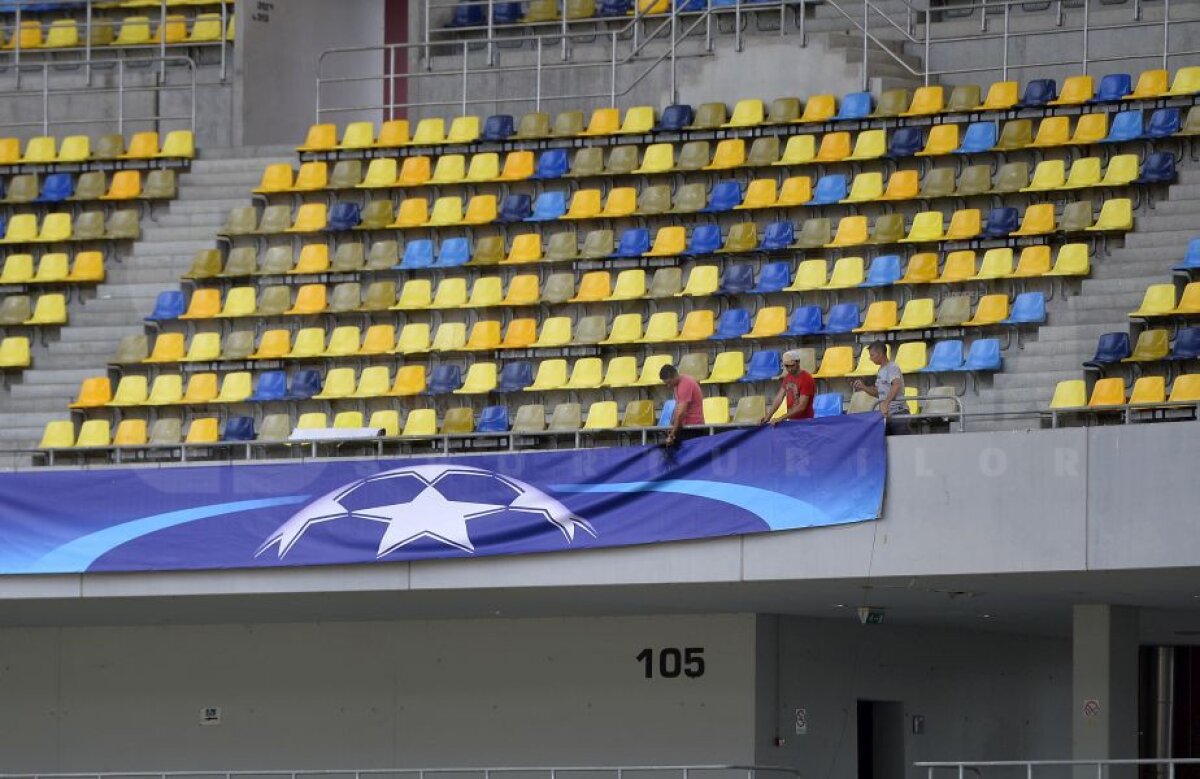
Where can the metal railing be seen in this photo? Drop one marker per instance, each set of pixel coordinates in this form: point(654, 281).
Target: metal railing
point(51, 96)
point(540, 772)
point(1101, 766)
point(629, 56)
point(91, 23)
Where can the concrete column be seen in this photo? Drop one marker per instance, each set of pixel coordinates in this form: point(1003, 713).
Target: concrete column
point(1104, 684)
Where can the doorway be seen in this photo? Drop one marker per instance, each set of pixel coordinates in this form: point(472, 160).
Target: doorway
point(881, 740)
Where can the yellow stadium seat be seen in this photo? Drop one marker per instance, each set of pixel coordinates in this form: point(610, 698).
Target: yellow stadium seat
point(1189, 300)
point(902, 185)
point(179, 144)
point(358, 135)
point(556, 331)
point(585, 204)
point(22, 228)
point(697, 326)
point(602, 415)
point(276, 178)
point(484, 167)
point(795, 191)
point(586, 373)
point(485, 335)
point(819, 108)
point(88, 267)
point(75, 148)
point(1038, 220)
point(314, 258)
point(1185, 388)
point(310, 218)
point(550, 375)
point(414, 212)
point(1186, 82)
point(1122, 170)
point(142, 146)
point(869, 145)
point(865, 188)
point(449, 337)
point(1049, 175)
point(1001, 96)
point(865, 366)
point(668, 242)
point(58, 434)
point(799, 150)
point(1151, 346)
point(343, 342)
point(312, 420)
point(926, 101)
point(702, 281)
point(51, 269)
point(206, 28)
point(731, 153)
point(392, 134)
point(769, 322)
point(518, 166)
point(339, 383)
point(1053, 131)
point(520, 333)
point(847, 273)
point(239, 301)
point(918, 314)
point(912, 356)
point(310, 299)
point(834, 147)
point(1076, 90)
point(836, 361)
point(93, 433)
point(638, 120)
point(630, 285)
point(429, 132)
point(450, 169)
point(321, 137)
point(881, 316)
point(621, 372)
point(410, 380)
point(1071, 393)
point(14, 352)
point(958, 267)
point(310, 343)
point(746, 113)
point(451, 293)
point(1148, 390)
point(727, 367)
point(965, 224)
point(62, 34)
point(10, 151)
point(421, 422)
point(997, 264)
point(168, 347)
point(416, 294)
point(810, 275)
point(604, 121)
point(130, 432)
point(486, 291)
point(1091, 128)
point(1150, 84)
point(414, 172)
point(621, 201)
point(57, 227)
point(131, 391)
point(41, 150)
point(464, 129)
point(1033, 262)
point(447, 211)
point(94, 392)
point(166, 390)
point(313, 176)
point(662, 326)
point(414, 338)
point(594, 287)
point(626, 329)
point(1107, 392)
point(943, 139)
point(991, 310)
point(18, 269)
point(926, 226)
point(373, 382)
point(235, 387)
point(1115, 215)
point(201, 388)
point(851, 231)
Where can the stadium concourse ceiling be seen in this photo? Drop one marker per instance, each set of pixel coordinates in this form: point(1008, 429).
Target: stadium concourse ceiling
point(1034, 604)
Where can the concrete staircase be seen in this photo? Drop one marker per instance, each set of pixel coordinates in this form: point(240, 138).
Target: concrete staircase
point(219, 179)
point(1098, 304)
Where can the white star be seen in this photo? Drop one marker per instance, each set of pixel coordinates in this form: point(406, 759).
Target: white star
point(429, 515)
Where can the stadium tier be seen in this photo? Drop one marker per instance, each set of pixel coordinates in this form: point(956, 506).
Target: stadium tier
point(381, 282)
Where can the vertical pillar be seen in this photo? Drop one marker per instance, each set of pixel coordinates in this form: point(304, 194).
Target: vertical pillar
point(1104, 685)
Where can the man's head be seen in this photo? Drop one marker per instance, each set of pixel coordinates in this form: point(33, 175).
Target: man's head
point(877, 352)
point(791, 362)
point(669, 375)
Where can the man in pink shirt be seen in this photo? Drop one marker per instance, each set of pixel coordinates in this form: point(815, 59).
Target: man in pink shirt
point(689, 404)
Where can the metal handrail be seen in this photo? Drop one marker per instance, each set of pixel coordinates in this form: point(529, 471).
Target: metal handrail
point(421, 773)
point(117, 117)
point(1100, 764)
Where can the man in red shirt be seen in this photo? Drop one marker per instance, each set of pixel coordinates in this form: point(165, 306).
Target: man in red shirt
point(689, 404)
point(797, 388)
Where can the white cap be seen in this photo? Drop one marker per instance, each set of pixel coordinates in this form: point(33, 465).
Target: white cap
point(791, 356)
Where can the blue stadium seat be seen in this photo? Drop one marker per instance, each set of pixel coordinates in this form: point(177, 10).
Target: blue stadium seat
point(685, 6)
point(506, 13)
point(737, 279)
point(493, 419)
point(614, 7)
point(168, 305)
point(1029, 308)
point(856, 105)
point(1164, 123)
point(634, 243)
point(468, 15)
point(843, 318)
point(734, 323)
point(906, 142)
point(56, 188)
point(443, 379)
point(805, 320)
point(515, 376)
point(1111, 348)
point(979, 137)
point(272, 385)
point(452, 253)
point(724, 196)
point(884, 271)
point(1001, 222)
point(499, 126)
point(417, 254)
point(305, 384)
point(239, 429)
point(1039, 92)
point(984, 355)
point(773, 277)
point(515, 207)
point(1191, 260)
point(552, 164)
point(1113, 87)
point(705, 239)
point(1158, 168)
point(1126, 126)
point(778, 235)
point(668, 410)
point(946, 356)
point(675, 117)
point(827, 404)
point(343, 216)
point(1187, 344)
point(548, 207)
point(763, 366)
point(830, 189)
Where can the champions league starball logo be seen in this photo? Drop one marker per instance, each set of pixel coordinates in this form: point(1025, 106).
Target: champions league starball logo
point(434, 502)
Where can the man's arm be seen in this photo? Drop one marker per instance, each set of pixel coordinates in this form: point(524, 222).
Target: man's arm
point(893, 391)
point(774, 407)
point(801, 404)
point(681, 408)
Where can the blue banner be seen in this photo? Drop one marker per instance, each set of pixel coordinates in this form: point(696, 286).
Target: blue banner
point(801, 474)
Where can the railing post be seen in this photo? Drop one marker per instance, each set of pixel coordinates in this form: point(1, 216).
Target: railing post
point(926, 63)
point(866, 81)
point(612, 76)
point(17, 48)
point(121, 96)
point(465, 51)
point(674, 28)
point(491, 27)
point(737, 25)
point(1086, 5)
point(162, 41)
point(803, 11)
point(1166, 30)
point(783, 15)
point(87, 42)
point(46, 98)
point(708, 38)
point(1004, 41)
point(224, 43)
point(563, 14)
point(425, 49)
point(537, 95)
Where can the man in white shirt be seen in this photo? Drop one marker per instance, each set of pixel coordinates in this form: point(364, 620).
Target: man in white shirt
point(889, 388)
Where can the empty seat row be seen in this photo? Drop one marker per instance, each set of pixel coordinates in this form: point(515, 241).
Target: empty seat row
point(53, 268)
point(1152, 345)
point(1116, 214)
point(90, 186)
point(1110, 394)
point(58, 227)
point(45, 150)
point(748, 113)
point(47, 310)
point(1160, 301)
point(129, 31)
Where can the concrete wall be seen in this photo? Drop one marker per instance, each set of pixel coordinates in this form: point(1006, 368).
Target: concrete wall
point(277, 61)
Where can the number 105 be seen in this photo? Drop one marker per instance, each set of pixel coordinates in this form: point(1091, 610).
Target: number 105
point(673, 661)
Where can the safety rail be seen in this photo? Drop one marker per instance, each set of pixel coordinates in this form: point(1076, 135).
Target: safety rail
point(91, 22)
point(117, 115)
point(1101, 765)
point(617, 63)
point(545, 772)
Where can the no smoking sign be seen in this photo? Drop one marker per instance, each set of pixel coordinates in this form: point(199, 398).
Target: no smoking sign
point(1091, 707)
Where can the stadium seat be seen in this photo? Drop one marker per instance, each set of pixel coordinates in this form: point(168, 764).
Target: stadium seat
point(943, 139)
point(1110, 348)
